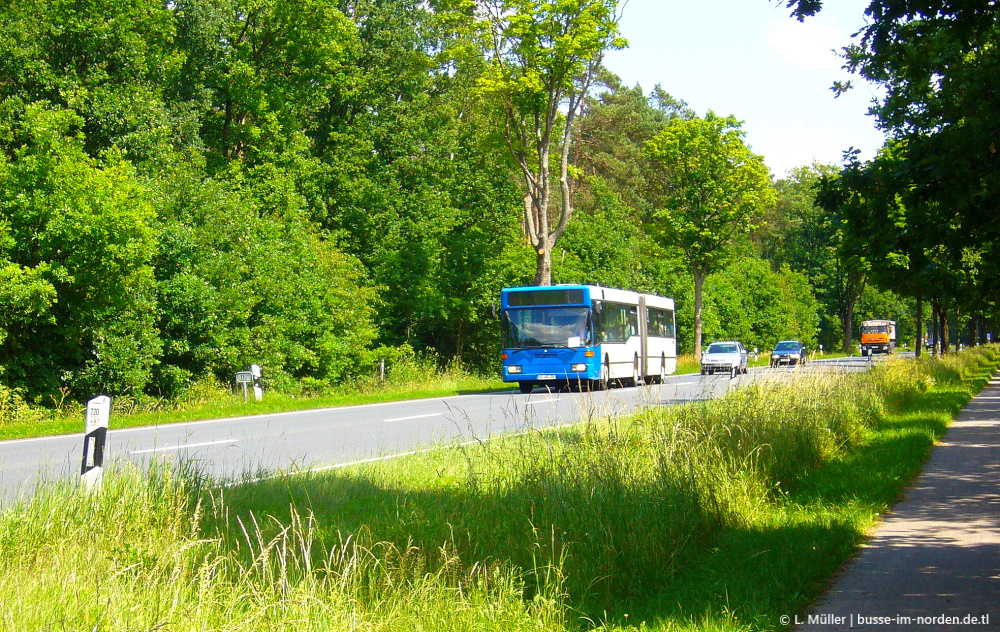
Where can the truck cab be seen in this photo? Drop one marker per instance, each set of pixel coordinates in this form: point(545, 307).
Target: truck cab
point(878, 336)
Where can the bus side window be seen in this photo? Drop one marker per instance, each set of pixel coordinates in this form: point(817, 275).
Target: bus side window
point(660, 330)
point(633, 322)
point(610, 322)
point(613, 323)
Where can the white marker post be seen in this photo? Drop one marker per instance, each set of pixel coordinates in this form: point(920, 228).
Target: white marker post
point(258, 392)
point(94, 441)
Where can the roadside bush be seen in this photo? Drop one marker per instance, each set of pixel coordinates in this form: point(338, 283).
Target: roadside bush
point(953, 368)
point(13, 408)
point(896, 381)
point(944, 369)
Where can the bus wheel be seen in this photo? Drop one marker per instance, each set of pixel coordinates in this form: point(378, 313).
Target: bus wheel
point(604, 383)
point(526, 387)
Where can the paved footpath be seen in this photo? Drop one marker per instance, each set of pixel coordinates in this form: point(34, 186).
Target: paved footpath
point(937, 554)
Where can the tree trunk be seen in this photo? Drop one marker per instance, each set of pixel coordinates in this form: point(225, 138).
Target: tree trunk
point(934, 327)
point(958, 329)
point(846, 317)
point(945, 332)
point(699, 280)
point(920, 325)
point(982, 330)
point(972, 331)
point(543, 267)
point(847, 321)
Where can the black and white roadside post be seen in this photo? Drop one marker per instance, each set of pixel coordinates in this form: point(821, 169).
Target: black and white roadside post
point(94, 441)
point(258, 392)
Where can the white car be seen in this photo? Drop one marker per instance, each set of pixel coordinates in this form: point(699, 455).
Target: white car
point(725, 357)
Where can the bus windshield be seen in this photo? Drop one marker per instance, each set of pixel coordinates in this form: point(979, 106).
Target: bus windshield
point(546, 327)
point(875, 329)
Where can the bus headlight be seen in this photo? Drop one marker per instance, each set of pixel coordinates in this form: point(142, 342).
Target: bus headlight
point(513, 369)
point(578, 368)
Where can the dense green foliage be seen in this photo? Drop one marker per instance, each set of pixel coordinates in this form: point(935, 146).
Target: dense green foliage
point(921, 213)
point(543, 57)
point(708, 189)
point(190, 187)
point(800, 234)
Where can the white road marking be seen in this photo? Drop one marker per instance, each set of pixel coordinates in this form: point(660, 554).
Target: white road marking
point(684, 383)
point(305, 411)
point(413, 417)
point(540, 401)
point(73, 437)
point(183, 446)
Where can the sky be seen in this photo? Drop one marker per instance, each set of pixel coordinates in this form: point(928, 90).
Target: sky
point(750, 59)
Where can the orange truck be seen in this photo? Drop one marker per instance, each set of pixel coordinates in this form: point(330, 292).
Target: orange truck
point(878, 336)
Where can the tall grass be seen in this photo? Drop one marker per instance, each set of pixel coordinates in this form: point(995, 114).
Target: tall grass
point(546, 530)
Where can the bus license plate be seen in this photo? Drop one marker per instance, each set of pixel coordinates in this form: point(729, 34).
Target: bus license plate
point(546, 377)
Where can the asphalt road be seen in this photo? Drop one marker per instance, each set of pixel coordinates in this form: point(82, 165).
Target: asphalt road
point(248, 446)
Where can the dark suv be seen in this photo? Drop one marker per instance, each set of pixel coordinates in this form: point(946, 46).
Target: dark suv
point(790, 352)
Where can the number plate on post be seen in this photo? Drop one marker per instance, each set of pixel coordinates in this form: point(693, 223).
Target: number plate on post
point(244, 377)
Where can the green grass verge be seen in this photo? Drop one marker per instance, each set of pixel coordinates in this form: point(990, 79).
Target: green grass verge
point(712, 516)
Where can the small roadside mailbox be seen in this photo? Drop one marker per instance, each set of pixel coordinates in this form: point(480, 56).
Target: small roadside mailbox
point(95, 441)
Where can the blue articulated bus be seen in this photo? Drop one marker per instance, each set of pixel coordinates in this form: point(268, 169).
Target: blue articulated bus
point(585, 334)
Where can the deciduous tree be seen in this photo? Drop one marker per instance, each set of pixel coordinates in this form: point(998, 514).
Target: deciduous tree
point(708, 188)
point(543, 57)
